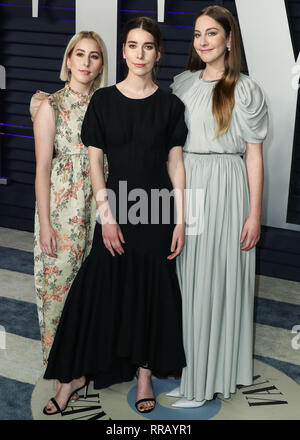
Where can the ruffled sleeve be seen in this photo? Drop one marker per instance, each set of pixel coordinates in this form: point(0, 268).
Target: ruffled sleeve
point(177, 130)
point(183, 82)
point(93, 130)
point(36, 101)
point(251, 110)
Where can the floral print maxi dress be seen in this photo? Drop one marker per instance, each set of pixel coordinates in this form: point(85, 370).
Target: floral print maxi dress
point(72, 211)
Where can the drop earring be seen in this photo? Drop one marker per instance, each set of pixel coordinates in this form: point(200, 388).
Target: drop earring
point(228, 47)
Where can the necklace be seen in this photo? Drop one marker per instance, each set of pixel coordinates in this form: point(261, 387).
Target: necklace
point(79, 94)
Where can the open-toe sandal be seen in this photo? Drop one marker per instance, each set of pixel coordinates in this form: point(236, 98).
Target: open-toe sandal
point(149, 399)
point(58, 409)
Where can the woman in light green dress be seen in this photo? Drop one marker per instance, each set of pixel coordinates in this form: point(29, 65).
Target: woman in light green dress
point(65, 208)
point(226, 115)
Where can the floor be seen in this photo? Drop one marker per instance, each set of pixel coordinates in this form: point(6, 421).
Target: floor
point(277, 313)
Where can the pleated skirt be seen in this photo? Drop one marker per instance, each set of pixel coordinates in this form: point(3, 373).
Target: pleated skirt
point(216, 278)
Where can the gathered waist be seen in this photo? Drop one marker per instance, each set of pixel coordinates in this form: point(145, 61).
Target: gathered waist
point(77, 153)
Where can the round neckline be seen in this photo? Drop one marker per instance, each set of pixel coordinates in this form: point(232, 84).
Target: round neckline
point(136, 99)
point(79, 94)
point(205, 80)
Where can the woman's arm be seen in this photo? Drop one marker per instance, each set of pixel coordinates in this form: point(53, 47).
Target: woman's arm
point(111, 231)
point(255, 173)
point(44, 133)
point(176, 172)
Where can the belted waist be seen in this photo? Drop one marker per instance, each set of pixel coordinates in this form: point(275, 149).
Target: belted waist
point(214, 153)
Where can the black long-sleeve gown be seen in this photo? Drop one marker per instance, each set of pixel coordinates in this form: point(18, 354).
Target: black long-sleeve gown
point(125, 311)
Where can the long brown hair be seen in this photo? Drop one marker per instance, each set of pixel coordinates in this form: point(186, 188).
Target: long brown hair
point(223, 96)
point(149, 25)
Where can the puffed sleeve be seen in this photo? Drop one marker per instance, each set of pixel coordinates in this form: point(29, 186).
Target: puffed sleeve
point(92, 130)
point(183, 82)
point(36, 101)
point(177, 131)
point(251, 110)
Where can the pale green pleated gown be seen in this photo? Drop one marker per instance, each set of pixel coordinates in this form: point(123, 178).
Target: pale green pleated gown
point(217, 278)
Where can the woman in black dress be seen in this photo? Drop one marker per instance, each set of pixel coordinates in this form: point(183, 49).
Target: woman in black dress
point(123, 311)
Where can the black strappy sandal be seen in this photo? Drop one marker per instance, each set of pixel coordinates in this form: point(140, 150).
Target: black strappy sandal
point(58, 409)
point(148, 399)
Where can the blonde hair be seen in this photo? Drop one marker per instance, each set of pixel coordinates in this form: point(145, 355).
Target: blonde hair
point(65, 74)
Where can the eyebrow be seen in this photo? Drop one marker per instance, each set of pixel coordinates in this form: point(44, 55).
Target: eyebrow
point(146, 42)
point(93, 51)
point(209, 29)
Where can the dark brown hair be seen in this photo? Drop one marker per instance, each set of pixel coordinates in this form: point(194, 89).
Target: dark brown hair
point(149, 25)
point(223, 96)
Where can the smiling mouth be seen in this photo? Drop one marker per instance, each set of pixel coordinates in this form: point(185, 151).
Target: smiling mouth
point(205, 50)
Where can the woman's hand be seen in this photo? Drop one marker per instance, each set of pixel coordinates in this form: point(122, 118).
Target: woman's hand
point(111, 231)
point(178, 241)
point(48, 240)
point(255, 174)
point(112, 238)
point(250, 232)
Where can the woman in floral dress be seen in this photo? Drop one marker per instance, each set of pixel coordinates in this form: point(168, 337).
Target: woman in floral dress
point(65, 207)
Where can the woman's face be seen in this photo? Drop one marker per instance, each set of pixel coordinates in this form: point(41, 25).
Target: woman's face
point(140, 52)
point(85, 61)
point(210, 41)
